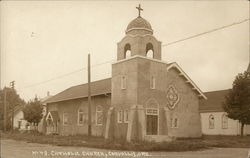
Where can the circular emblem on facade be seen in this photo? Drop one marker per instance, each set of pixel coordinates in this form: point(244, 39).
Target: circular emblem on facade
point(172, 97)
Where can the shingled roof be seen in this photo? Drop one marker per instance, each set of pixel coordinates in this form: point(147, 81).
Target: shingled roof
point(214, 101)
point(81, 91)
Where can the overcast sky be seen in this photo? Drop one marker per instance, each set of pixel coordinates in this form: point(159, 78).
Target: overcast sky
point(43, 40)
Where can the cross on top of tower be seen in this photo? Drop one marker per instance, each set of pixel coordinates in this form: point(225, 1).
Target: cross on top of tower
point(139, 10)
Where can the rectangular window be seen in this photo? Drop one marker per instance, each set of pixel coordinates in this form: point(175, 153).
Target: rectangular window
point(152, 82)
point(174, 123)
point(65, 118)
point(119, 116)
point(123, 82)
point(82, 117)
point(152, 111)
point(126, 116)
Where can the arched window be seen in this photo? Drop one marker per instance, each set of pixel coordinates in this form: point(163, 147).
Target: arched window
point(123, 82)
point(224, 121)
point(99, 115)
point(152, 82)
point(211, 121)
point(149, 50)
point(127, 51)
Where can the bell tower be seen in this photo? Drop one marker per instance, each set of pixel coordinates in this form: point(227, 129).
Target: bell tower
point(139, 40)
point(151, 99)
point(134, 75)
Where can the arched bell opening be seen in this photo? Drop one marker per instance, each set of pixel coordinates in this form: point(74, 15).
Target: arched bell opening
point(149, 50)
point(127, 51)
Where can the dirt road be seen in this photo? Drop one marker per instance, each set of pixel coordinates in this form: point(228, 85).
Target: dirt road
point(20, 149)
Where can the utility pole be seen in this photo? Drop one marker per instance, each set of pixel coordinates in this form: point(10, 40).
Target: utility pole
point(5, 110)
point(12, 85)
point(89, 98)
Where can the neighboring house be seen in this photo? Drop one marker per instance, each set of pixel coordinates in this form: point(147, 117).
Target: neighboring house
point(214, 119)
point(19, 122)
point(145, 99)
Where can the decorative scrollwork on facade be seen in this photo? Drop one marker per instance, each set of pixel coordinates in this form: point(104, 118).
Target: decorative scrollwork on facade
point(172, 97)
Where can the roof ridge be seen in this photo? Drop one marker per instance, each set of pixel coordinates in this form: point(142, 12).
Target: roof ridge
point(90, 82)
point(217, 90)
point(69, 92)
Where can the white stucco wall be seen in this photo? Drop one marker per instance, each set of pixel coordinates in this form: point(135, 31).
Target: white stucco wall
point(19, 116)
point(233, 125)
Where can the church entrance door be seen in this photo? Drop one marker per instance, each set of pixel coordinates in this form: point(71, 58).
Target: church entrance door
point(152, 121)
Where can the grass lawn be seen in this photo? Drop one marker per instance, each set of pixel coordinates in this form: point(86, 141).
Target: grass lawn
point(227, 141)
point(98, 142)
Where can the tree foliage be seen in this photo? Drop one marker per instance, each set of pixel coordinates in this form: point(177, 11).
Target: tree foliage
point(33, 111)
point(237, 102)
point(12, 101)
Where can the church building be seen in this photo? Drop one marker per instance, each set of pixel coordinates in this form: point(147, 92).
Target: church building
point(146, 98)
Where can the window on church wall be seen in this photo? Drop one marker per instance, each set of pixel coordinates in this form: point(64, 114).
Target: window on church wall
point(211, 122)
point(82, 117)
point(152, 111)
point(65, 118)
point(123, 82)
point(174, 122)
point(126, 116)
point(152, 82)
point(224, 121)
point(120, 116)
point(149, 50)
point(99, 115)
point(127, 51)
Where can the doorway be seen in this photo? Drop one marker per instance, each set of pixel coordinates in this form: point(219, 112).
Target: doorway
point(152, 121)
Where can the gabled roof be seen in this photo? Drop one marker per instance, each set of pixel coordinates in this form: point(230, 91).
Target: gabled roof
point(18, 108)
point(188, 80)
point(214, 101)
point(44, 100)
point(81, 91)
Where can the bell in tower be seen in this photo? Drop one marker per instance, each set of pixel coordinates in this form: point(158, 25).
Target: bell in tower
point(139, 40)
